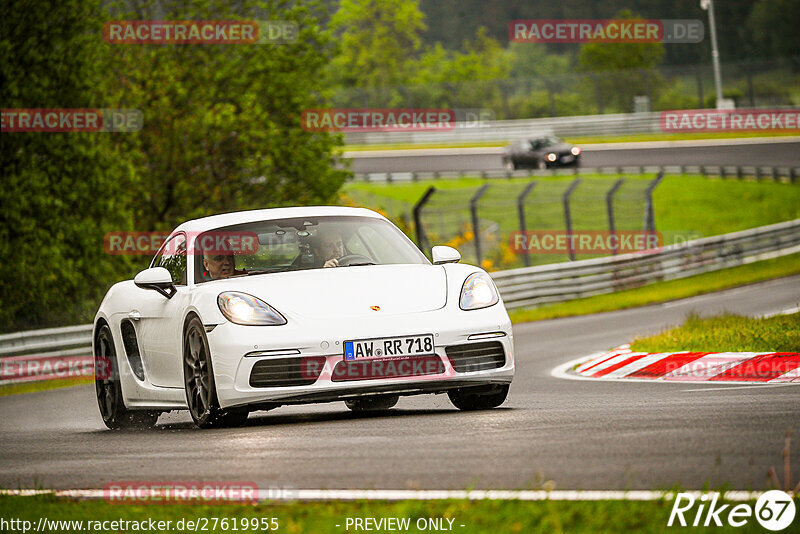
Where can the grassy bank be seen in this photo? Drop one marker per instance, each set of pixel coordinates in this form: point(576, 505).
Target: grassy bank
point(475, 516)
point(727, 333)
point(42, 385)
point(666, 291)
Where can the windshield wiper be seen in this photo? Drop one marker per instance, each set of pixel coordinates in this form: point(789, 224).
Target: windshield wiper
point(361, 263)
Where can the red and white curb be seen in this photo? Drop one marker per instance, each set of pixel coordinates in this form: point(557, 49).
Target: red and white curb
point(717, 367)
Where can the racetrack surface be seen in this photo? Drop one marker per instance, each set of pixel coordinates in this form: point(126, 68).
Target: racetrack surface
point(744, 153)
point(580, 434)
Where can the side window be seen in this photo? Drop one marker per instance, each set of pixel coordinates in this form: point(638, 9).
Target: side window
point(173, 259)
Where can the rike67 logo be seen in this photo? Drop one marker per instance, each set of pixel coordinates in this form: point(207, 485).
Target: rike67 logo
point(774, 510)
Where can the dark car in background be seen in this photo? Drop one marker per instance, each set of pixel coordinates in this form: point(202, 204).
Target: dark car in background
point(541, 153)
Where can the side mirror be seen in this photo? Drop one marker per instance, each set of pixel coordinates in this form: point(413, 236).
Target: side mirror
point(442, 254)
point(158, 279)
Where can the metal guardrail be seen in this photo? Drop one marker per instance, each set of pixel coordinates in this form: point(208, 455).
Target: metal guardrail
point(530, 285)
point(786, 174)
point(512, 130)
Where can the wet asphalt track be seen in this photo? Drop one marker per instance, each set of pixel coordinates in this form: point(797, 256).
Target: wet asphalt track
point(579, 434)
point(779, 154)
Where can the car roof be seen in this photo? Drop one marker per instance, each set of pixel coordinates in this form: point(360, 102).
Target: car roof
point(241, 217)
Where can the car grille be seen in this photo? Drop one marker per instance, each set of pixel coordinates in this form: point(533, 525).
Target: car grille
point(476, 356)
point(286, 372)
point(380, 368)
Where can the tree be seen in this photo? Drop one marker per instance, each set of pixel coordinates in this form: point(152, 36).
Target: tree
point(222, 125)
point(380, 40)
point(60, 191)
point(772, 24)
point(622, 70)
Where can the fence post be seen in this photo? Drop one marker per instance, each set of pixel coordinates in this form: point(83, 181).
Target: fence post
point(523, 227)
point(568, 215)
point(612, 229)
point(649, 214)
point(421, 238)
point(473, 209)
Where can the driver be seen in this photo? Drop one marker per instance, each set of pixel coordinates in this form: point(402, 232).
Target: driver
point(218, 266)
point(328, 247)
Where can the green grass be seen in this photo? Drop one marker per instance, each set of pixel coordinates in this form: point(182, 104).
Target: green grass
point(686, 207)
point(584, 140)
point(727, 333)
point(665, 291)
point(476, 516)
point(43, 385)
point(691, 205)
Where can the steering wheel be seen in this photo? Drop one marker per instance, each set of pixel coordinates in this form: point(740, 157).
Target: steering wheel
point(349, 259)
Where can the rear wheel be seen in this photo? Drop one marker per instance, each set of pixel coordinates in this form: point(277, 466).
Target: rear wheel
point(478, 398)
point(372, 404)
point(201, 391)
point(109, 390)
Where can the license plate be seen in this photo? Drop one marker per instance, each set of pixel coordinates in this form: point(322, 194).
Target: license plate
point(388, 347)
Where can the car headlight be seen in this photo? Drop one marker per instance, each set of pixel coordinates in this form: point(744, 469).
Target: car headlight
point(575, 150)
point(551, 157)
point(478, 292)
point(241, 308)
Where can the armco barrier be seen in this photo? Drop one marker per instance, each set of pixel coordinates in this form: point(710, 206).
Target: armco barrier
point(511, 130)
point(559, 282)
point(528, 286)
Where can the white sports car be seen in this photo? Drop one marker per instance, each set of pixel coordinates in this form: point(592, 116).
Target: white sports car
point(252, 310)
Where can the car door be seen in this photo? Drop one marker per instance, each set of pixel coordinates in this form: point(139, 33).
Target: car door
point(532, 152)
point(158, 319)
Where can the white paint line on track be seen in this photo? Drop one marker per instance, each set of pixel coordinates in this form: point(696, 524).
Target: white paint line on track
point(787, 311)
point(432, 495)
point(750, 385)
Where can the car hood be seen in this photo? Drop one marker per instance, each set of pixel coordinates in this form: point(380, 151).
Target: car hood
point(345, 291)
point(563, 148)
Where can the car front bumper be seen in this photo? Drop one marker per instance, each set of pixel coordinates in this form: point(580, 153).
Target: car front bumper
point(235, 350)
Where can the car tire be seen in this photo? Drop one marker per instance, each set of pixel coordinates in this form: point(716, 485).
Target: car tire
point(108, 388)
point(372, 404)
point(198, 378)
point(479, 397)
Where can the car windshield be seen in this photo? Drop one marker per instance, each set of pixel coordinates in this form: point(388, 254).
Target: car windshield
point(546, 141)
point(299, 244)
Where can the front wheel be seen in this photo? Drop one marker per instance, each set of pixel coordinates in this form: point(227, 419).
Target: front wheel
point(478, 398)
point(201, 391)
point(108, 389)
